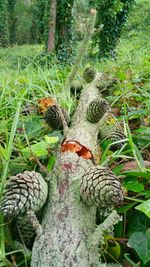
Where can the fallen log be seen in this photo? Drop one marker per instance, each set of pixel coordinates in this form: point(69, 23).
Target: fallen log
point(76, 188)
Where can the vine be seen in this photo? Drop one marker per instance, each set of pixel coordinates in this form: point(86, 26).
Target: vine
point(64, 32)
point(4, 23)
point(112, 14)
point(12, 21)
point(39, 20)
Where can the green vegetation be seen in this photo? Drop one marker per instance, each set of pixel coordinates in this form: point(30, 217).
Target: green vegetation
point(27, 74)
point(112, 15)
point(4, 26)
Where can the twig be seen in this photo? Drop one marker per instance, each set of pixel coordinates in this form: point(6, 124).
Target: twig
point(34, 156)
point(110, 221)
point(84, 44)
point(134, 199)
point(36, 225)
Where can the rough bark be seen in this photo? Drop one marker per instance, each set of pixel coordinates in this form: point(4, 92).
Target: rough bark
point(68, 222)
point(52, 26)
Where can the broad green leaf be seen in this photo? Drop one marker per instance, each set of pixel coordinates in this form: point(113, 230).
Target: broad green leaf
point(145, 193)
point(122, 76)
point(51, 139)
point(39, 149)
point(145, 207)
point(125, 208)
point(137, 222)
point(137, 113)
point(51, 162)
point(137, 173)
point(143, 130)
point(32, 125)
point(140, 242)
point(118, 169)
point(132, 184)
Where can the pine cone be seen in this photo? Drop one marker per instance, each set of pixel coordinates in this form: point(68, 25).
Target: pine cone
point(89, 74)
point(23, 192)
point(101, 187)
point(96, 109)
point(112, 131)
point(22, 231)
point(53, 118)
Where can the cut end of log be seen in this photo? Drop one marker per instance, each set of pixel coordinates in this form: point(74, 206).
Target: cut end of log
point(93, 11)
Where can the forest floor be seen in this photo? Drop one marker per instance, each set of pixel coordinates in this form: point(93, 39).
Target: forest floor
point(27, 77)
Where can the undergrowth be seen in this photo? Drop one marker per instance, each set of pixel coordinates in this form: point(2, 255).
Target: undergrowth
point(28, 75)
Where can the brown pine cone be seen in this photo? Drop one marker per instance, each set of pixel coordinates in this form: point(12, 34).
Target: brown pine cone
point(23, 192)
point(101, 187)
point(96, 109)
point(53, 118)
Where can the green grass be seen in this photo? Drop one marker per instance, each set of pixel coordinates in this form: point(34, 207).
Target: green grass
point(25, 77)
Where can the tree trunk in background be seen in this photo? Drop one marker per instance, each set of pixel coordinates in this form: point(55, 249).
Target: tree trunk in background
point(12, 21)
point(52, 26)
point(4, 23)
point(64, 31)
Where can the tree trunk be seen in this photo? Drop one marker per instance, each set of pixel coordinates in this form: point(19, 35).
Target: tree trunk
point(68, 222)
point(52, 26)
point(4, 24)
point(64, 29)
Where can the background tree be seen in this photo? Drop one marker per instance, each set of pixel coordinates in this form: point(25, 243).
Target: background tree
point(58, 26)
point(38, 20)
point(4, 23)
point(112, 14)
point(12, 21)
point(52, 10)
point(24, 23)
point(64, 27)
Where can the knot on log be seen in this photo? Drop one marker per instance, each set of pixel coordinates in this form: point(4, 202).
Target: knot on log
point(101, 187)
point(89, 74)
point(23, 192)
point(96, 109)
point(112, 131)
point(54, 119)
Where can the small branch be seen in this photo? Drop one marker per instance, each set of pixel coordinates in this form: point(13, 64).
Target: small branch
point(34, 156)
point(84, 44)
point(110, 221)
point(36, 225)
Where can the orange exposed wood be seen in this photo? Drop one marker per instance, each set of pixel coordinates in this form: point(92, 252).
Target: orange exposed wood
point(75, 147)
point(44, 103)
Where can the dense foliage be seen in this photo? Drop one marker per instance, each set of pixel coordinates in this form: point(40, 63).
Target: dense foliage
point(4, 25)
point(64, 29)
point(39, 20)
point(112, 14)
point(12, 21)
